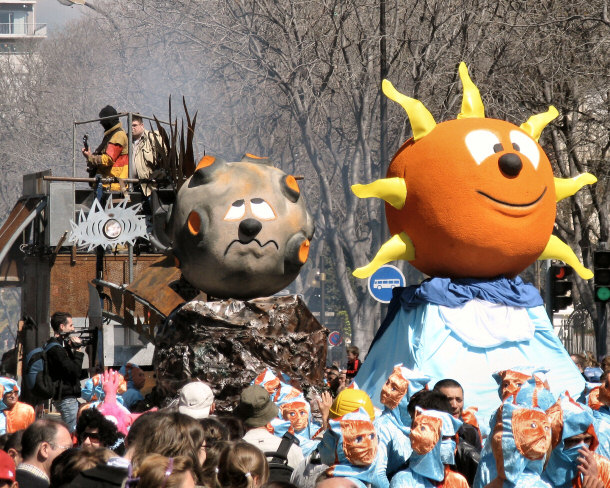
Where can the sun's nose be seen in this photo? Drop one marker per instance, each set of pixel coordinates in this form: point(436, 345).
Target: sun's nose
point(510, 164)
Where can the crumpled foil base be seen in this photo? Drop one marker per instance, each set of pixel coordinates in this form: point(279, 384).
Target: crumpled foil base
point(227, 343)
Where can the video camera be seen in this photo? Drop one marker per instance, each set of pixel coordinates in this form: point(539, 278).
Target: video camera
point(86, 337)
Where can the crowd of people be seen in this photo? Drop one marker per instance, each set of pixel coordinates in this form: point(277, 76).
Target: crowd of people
point(279, 436)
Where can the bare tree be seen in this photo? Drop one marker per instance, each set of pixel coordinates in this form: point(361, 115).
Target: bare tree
point(300, 82)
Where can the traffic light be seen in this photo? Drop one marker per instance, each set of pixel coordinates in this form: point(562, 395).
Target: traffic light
point(561, 287)
point(601, 275)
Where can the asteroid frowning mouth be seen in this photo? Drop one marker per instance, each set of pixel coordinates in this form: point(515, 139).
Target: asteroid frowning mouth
point(271, 241)
point(509, 204)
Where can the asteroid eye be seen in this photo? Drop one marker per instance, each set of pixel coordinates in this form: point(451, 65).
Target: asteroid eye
point(236, 211)
point(261, 209)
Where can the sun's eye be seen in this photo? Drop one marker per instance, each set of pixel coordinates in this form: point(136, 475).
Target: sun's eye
point(236, 211)
point(482, 144)
point(261, 209)
point(526, 146)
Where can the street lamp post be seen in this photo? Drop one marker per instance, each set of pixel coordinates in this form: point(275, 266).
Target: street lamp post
point(85, 3)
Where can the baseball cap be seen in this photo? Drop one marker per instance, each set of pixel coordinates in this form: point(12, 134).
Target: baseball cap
point(7, 467)
point(195, 400)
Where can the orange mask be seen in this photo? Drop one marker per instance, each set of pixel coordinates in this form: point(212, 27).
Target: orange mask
point(511, 382)
point(532, 433)
point(297, 413)
point(394, 389)
point(271, 386)
point(425, 433)
point(604, 394)
point(555, 416)
point(359, 442)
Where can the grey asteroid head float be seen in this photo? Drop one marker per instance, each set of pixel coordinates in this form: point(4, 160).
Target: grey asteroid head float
point(240, 229)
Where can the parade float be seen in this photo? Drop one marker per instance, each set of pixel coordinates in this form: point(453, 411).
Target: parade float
point(470, 202)
point(184, 288)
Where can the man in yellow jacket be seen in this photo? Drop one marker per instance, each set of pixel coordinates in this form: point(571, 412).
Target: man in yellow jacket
point(111, 157)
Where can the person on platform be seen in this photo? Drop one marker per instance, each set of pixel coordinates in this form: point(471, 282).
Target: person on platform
point(65, 364)
point(111, 156)
point(18, 415)
point(146, 143)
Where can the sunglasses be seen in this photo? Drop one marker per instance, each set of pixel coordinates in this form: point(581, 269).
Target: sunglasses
point(94, 436)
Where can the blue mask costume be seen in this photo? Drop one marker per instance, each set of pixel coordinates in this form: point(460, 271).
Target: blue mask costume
point(132, 395)
point(357, 455)
point(393, 426)
point(516, 467)
point(432, 436)
point(574, 419)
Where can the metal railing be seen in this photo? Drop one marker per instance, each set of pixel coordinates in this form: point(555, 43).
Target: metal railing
point(23, 29)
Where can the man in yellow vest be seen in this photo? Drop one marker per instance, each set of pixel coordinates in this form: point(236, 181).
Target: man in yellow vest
point(111, 157)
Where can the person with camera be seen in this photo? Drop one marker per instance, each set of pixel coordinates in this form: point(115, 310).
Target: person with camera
point(65, 364)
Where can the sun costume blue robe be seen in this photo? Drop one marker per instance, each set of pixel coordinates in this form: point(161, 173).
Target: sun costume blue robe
point(467, 330)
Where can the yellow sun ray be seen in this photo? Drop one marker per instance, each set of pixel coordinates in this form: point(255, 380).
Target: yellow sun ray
point(472, 105)
point(566, 187)
point(391, 190)
point(399, 246)
point(536, 123)
point(422, 121)
point(557, 249)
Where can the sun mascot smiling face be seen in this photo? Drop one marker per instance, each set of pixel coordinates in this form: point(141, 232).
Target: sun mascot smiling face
point(472, 197)
point(488, 188)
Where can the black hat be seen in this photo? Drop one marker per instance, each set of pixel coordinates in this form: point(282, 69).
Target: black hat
point(108, 111)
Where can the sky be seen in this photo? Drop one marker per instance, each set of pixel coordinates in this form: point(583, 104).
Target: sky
point(56, 15)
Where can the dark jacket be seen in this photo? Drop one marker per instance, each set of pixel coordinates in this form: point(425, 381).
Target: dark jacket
point(30, 480)
point(65, 366)
point(102, 476)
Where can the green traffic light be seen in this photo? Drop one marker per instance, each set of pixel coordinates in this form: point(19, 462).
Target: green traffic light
point(603, 293)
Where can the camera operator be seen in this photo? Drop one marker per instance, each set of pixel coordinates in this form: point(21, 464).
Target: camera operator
point(65, 364)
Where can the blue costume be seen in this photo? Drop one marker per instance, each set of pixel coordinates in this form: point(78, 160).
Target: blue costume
point(132, 395)
point(360, 465)
point(394, 424)
point(428, 463)
point(467, 329)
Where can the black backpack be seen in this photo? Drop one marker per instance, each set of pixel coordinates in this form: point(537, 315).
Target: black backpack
point(37, 380)
point(278, 460)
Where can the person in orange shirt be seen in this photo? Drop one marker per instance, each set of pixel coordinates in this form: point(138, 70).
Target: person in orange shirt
point(18, 415)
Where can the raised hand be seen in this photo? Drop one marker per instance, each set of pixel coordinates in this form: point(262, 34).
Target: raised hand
point(111, 381)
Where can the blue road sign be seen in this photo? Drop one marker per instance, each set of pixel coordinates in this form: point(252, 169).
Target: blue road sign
point(335, 339)
point(383, 280)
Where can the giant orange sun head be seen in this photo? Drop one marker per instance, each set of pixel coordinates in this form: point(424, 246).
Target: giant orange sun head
point(471, 197)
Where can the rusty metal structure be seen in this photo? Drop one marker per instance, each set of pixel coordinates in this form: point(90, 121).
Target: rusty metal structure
point(54, 275)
